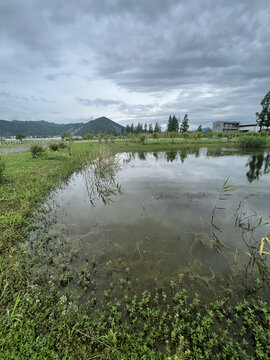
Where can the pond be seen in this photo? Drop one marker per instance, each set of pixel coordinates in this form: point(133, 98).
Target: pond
point(150, 220)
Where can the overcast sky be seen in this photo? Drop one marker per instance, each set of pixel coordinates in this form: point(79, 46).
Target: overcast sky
point(133, 60)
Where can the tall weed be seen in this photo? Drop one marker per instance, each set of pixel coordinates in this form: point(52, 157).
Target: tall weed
point(3, 161)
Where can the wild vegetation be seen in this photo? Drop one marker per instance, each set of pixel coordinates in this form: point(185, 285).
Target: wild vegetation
point(38, 321)
point(2, 167)
point(252, 141)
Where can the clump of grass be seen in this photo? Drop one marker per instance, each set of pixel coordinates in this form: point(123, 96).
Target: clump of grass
point(249, 142)
point(36, 150)
point(2, 167)
point(62, 145)
point(54, 146)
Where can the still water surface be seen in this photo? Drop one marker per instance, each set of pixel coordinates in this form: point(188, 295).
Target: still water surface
point(169, 218)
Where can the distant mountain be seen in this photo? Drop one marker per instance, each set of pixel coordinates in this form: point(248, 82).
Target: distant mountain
point(45, 128)
point(206, 129)
point(101, 125)
point(203, 130)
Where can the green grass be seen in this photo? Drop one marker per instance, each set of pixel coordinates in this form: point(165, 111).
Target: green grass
point(36, 323)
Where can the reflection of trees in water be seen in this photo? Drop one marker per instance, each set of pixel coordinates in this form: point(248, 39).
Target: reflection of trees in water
point(129, 157)
point(259, 165)
point(183, 155)
point(101, 177)
point(171, 155)
point(142, 156)
point(155, 154)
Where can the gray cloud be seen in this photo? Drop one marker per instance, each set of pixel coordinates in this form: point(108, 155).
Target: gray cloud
point(99, 102)
point(58, 75)
point(211, 57)
point(5, 95)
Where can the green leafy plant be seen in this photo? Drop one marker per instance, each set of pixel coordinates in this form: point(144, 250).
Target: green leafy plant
point(142, 138)
point(36, 150)
point(62, 145)
point(54, 146)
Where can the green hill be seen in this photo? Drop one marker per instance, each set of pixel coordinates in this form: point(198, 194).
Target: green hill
point(101, 125)
point(45, 128)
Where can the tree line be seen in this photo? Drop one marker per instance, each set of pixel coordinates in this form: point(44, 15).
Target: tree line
point(140, 128)
point(176, 125)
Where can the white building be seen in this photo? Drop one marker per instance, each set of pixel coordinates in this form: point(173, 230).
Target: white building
point(226, 126)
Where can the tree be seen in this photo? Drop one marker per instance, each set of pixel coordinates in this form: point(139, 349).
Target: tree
point(173, 124)
point(169, 126)
point(145, 128)
point(65, 135)
point(88, 136)
point(127, 129)
point(139, 128)
point(265, 103)
point(20, 136)
point(260, 120)
point(184, 124)
point(150, 129)
point(263, 118)
point(157, 128)
point(199, 128)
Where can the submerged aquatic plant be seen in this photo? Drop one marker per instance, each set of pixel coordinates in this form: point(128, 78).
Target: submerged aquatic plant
point(101, 177)
point(262, 247)
point(249, 221)
point(224, 193)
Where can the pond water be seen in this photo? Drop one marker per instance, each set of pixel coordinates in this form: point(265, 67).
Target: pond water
point(157, 218)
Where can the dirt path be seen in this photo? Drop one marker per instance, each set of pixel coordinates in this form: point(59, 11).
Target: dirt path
point(15, 149)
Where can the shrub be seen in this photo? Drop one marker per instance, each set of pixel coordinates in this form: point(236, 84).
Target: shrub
point(209, 134)
point(36, 150)
point(251, 141)
point(173, 134)
point(88, 136)
point(142, 138)
point(99, 137)
point(62, 145)
point(112, 137)
point(185, 135)
point(263, 133)
point(220, 134)
point(194, 135)
point(155, 135)
point(249, 133)
point(2, 167)
point(54, 146)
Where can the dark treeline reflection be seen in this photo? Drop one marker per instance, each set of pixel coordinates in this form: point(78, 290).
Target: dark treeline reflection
point(259, 164)
point(174, 155)
point(142, 156)
point(171, 155)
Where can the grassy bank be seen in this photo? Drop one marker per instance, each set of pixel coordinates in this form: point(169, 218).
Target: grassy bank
point(38, 323)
